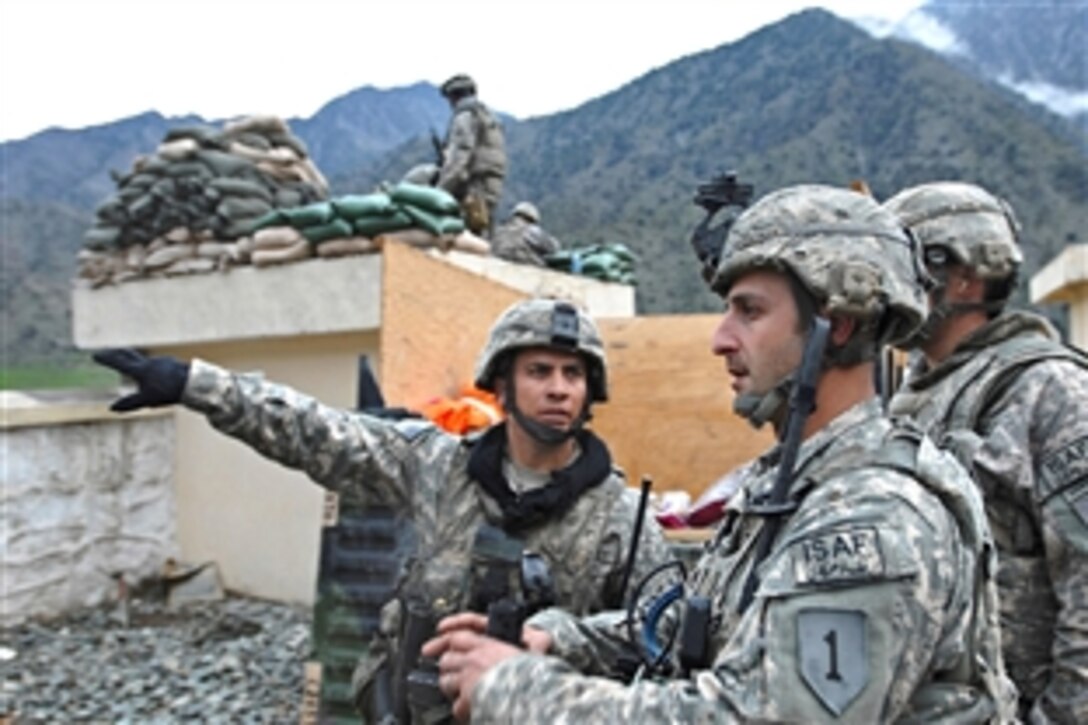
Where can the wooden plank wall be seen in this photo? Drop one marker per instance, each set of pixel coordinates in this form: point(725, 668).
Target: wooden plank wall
point(670, 409)
point(435, 320)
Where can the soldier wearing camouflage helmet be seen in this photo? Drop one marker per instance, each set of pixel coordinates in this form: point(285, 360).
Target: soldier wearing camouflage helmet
point(998, 387)
point(521, 238)
point(539, 482)
point(870, 601)
point(473, 167)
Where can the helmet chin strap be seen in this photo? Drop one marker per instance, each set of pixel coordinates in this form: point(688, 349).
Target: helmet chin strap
point(541, 433)
point(943, 310)
point(758, 408)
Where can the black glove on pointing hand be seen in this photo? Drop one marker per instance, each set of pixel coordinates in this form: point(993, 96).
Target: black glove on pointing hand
point(160, 380)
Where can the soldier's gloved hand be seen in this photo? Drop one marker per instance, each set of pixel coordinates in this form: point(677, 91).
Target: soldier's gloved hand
point(160, 380)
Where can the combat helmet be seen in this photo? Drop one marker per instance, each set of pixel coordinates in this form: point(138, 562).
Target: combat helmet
point(847, 252)
point(528, 211)
point(458, 85)
point(542, 322)
point(974, 227)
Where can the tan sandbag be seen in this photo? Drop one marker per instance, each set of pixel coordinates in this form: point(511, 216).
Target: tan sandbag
point(346, 246)
point(259, 123)
point(415, 237)
point(314, 176)
point(276, 238)
point(168, 255)
point(193, 265)
point(134, 256)
point(217, 250)
point(155, 245)
point(466, 241)
point(178, 235)
point(244, 248)
point(178, 149)
point(280, 172)
point(266, 257)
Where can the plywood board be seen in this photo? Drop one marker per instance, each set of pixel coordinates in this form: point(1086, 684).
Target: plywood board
point(435, 320)
point(670, 410)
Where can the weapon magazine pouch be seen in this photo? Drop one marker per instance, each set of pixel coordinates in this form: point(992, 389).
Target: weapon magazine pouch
point(495, 566)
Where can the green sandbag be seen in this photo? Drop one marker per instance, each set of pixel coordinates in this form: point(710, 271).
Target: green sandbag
point(101, 237)
point(337, 228)
point(434, 223)
point(274, 218)
point(223, 164)
point(429, 198)
point(240, 187)
point(372, 226)
point(311, 215)
point(353, 206)
point(236, 208)
point(289, 197)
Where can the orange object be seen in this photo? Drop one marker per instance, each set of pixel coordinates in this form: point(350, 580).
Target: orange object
point(474, 410)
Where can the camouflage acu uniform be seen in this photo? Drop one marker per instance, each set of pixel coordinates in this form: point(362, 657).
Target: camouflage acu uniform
point(1013, 402)
point(520, 240)
point(474, 161)
point(422, 472)
point(872, 606)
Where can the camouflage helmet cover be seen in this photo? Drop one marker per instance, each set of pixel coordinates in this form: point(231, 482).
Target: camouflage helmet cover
point(541, 322)
point(459, 84)
point(976, 227)
point(527, 210)
point(851, 255)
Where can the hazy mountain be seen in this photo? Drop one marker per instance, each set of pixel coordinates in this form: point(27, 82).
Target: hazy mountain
point(1038, 48)
point(810, 99)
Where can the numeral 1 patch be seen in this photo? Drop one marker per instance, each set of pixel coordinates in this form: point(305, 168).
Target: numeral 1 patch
point(833, 655)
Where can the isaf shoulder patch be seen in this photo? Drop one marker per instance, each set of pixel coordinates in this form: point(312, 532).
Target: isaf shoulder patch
point(845, 555)
point(833, 655)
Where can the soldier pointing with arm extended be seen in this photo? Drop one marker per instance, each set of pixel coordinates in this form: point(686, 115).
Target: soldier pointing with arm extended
point(870, 600)
point(999, 387)
point(539, 483)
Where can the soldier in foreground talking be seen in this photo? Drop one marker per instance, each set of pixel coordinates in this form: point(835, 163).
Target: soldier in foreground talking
point(850, 579)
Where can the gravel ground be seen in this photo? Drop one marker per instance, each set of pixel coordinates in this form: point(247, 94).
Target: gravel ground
point(237, 660)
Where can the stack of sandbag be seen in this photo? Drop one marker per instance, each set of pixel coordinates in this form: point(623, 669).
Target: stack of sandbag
point(422, 216)
point(188, 206)
point(607, 262)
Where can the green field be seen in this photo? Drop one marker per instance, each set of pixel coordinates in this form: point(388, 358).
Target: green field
point(46, 377)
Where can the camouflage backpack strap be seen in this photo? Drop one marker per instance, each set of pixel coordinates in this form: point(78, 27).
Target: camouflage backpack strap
point(1005, 363)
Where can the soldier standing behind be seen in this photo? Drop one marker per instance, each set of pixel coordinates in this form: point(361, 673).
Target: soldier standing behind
point(473, 156)
point(999, 388)
point(539, 482)
point(521, 238)
point(871, 601)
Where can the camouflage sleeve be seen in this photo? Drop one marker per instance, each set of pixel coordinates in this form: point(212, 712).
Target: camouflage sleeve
point(1037, 439)
point(846, 624)
point(457, 156)
point(334, 447)
point(593, 645)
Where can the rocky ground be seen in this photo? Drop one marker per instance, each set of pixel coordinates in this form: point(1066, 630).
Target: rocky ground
point(233, 661)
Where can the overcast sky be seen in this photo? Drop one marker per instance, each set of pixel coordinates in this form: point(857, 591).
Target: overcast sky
point(74, 63)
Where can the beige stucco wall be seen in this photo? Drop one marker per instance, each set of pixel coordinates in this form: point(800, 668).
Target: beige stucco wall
point(259, 521)
point(1065, 281)
point(84, 496)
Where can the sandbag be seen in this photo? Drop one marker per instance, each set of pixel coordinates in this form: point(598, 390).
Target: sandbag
point(429, 198)
point(266, 257)
point(434, 223)
point(101, 237)
point(353, 206)
point(277, 237)
point(336, 229)
point(347, 246)
point(372, 226)
point(240, 187)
